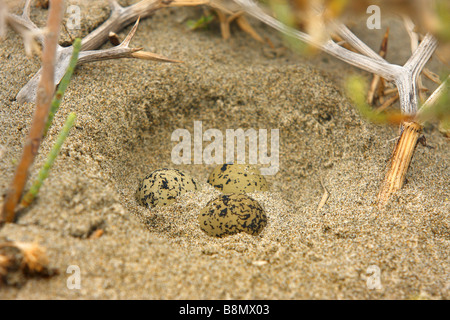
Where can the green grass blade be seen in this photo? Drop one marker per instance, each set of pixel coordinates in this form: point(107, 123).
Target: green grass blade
point(43, 173)
point(63, 85)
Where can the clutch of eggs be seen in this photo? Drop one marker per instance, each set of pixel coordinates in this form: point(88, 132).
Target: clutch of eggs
point(230, 213)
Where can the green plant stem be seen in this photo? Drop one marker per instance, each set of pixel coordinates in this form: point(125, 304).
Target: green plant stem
point(43, 173)
point(56, 102)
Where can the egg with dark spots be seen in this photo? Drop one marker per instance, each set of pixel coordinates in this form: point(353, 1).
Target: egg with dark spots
point(163, 186)
point(230, 214)
point(237, 178)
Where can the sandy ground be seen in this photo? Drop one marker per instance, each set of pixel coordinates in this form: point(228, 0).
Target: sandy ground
point(127, 111)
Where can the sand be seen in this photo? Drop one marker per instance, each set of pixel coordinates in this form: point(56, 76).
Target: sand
point(126, 112)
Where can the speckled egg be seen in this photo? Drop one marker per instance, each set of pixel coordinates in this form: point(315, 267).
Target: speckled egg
point(163, 186)
point(230, 214)
point(237, 178)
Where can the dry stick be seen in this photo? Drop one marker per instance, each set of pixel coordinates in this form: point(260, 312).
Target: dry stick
point(225, 22)
point(390, 91)
point(407, 81)
point(404, 149)
point(339, 40)
point(325, 196)
point(122, 51)
point(388, 102)
point(414, 40)
point(246, 27)
point(400, 161)
point(119, 18)
point(27, 29)
point(3, 12)
point(224, 25)
point(376, 78)
point(370, 62)
point(431, 75)
point(43, 101)
point(380, 91)
point(405, 77)
point(355, 42)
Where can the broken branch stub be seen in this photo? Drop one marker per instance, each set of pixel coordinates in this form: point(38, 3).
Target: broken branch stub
point(400, 161)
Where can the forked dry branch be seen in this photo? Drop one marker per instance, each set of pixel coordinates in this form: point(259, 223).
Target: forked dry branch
point(405, 78)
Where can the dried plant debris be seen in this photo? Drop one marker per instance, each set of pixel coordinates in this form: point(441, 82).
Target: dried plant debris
point(22, 260)
point(42, 4)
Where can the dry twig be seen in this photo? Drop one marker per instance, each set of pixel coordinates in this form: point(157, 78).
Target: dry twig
point(3, 14)
point(325, 196)
point(44, 97)
point(404, 149)
point(376, 78)
point(386, 104)
point(400, 161)
point(414, 40)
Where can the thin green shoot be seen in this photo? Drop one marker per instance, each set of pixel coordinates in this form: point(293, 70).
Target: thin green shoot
point(43, 173)
point(56, 102)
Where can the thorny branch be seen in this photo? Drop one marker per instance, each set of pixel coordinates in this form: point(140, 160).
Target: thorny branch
point(120, 17)
point(122, 51)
